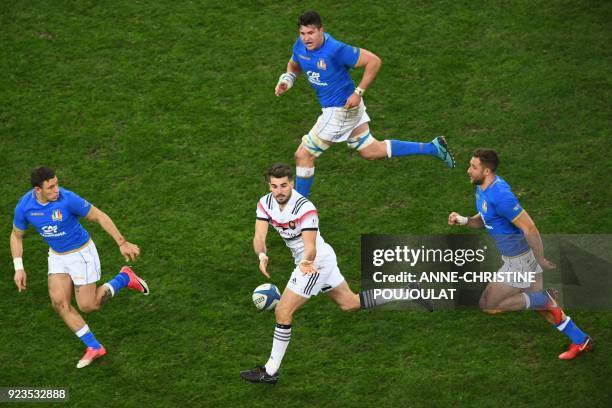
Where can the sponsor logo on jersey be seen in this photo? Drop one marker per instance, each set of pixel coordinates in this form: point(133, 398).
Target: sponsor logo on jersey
point(516, 207)
point(321, 64)
point(50, 231)
point(37, 214)
point(56, 215)
point(315, 78)
point(484, 206)
point(304, 57)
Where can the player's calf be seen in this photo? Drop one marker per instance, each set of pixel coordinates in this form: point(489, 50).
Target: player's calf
point(376, 150)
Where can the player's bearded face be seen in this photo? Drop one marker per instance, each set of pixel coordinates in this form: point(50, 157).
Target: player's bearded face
point(476, 171)
point(49, 190)
point(311, 36)
point(281, 189)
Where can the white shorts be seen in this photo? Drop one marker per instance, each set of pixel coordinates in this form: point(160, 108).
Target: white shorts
point(336, 124)
point(326, 278)
point(521, 263)
point(83, 265)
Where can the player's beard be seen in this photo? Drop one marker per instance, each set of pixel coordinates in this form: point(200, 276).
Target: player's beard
point(284, 198)
point(477, 181)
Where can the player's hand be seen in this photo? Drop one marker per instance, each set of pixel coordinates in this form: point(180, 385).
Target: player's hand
point(352, 101)
point(20, 279)
point(263, 266)
point(129, 251)
point(307, 267)
point(453, 218)
point(546, 264)
point(281, 88)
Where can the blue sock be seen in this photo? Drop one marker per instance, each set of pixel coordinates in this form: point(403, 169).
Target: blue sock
point(119, 282)
point(302, 185)
point(401, 148)
point(88, 338)
point(572, 331)
point(537, 300)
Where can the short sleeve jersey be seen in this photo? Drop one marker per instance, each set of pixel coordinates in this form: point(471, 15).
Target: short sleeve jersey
point(327, 69)
point(498, 207)
point(298, 215)
point(56, 221)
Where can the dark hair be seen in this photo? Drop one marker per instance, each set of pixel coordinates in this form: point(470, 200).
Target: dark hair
point(279, 170)
point(40, 175)
point(310, 18)
point(488, 158)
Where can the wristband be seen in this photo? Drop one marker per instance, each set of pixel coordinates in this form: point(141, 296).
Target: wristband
point(462, 220)
point(288, 78)
point(359, 91)
point(18, 262)
point(262, 255)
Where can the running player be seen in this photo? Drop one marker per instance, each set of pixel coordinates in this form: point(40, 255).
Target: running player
point(295, 218)
point(73, 259)
point(326, 62)
point(519, 242)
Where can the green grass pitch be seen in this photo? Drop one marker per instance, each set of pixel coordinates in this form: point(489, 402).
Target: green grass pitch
point(163, 115)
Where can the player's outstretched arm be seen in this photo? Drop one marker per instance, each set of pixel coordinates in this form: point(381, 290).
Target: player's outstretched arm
point(20, 277)
point(307, 265)
point(371, 64)
point(534, 240)
point(288, 78)
point(127, 249)
point(259, 246)
point(471, 222)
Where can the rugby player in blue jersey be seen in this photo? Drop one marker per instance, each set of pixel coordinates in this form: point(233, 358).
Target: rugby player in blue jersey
point(520, 245)
point(73, 260)
point(326, 63)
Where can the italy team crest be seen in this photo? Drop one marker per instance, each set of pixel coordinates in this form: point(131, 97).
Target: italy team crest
point(321, 64)
point(56, 215)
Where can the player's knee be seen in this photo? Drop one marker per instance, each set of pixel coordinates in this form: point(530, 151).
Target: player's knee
point(61, 306)
point(302, 156)
point(486, 306)
point(88, 307)
point(283, 314)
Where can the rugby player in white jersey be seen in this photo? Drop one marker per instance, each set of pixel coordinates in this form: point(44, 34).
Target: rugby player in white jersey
point(295, 218)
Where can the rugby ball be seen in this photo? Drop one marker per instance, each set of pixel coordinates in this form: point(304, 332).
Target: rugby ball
point(266, 296)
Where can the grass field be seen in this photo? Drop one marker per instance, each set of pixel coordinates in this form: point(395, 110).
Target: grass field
point(163, 115)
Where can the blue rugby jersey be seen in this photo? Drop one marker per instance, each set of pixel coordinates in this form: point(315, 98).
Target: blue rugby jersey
point(56, 221)
point(498, 207)
point(327, 69)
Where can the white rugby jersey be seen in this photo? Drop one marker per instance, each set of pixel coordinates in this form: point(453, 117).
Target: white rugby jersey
point(298, 215)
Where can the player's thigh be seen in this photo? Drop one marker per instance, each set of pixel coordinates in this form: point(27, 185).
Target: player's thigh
point(60, 289)
point(344, 297)
point(84, 265)
point(495, 293)
point(289, 303)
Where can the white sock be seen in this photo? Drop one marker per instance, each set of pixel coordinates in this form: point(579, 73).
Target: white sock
point(304, 172)
point(282, 335)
